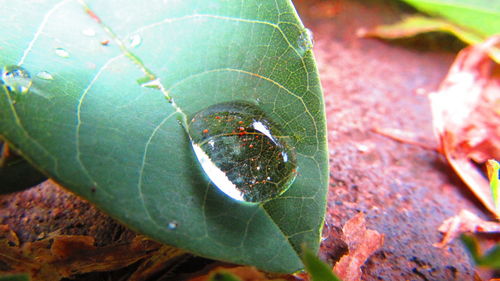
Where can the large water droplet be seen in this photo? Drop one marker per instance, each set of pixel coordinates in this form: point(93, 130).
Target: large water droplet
point(16, 78)
point(305, 41)
point(242, 151)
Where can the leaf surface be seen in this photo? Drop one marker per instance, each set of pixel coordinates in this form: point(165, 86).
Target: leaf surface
point(479, 15)
point(92, 126)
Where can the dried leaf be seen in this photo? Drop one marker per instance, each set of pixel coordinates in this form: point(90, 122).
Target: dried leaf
point(465, 119)
point(464, 222)
point(407, 137)
point(156, 263)
point(362, 243)
point(59, 256)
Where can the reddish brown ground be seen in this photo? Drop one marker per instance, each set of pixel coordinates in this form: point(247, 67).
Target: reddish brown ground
point(405, 191)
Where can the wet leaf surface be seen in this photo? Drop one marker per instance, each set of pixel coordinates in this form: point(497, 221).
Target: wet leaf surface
point(102, 125)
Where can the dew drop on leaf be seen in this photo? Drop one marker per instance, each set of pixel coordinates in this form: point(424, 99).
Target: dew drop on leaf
point(172, 225)
point(305, 41)
point(135, 40)
point(242, 151)
point(16, 78)
point(62, 53)
point(45, 75)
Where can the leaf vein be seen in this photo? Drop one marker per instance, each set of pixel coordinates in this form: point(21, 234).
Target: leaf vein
point(79, 118)
point(143, 162)
point(39, 30)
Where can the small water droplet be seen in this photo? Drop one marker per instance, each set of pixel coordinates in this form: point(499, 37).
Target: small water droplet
point(135, 40)
point(305, 41)
point(88, 32)
point(240, 149)
point(172, 225)
point(16, 78)
point(45, 75)
point(62, 53)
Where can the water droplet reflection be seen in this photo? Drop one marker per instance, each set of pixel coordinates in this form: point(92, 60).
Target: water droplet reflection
point(305, 41)
point(242, 151)
point(16, 78)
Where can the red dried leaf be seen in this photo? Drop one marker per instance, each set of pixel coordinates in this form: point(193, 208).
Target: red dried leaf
point(465, 117)
point(362, 243)
point(59, 256)
point(465, 222)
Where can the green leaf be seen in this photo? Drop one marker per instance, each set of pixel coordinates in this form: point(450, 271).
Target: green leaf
point(471, 21)
point(490, 259)
point(88, 123)
point(414, 25)
point(15, 277)
point(16, 174)
point(471, 244)
point(478, 15)
point(493, 169)
point(318, 270)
